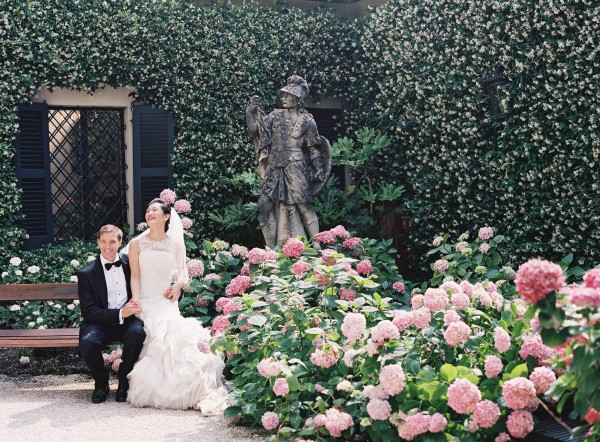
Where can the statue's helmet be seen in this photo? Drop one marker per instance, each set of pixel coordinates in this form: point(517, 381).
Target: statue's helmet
point(296, 86)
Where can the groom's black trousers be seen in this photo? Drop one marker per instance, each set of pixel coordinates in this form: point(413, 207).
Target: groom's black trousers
point(93, 337)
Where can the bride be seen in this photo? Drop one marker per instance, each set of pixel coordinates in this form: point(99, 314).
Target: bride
point(171, 371)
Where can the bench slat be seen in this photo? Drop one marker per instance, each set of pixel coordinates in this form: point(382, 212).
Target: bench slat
point(60, 337)
point(38, 292)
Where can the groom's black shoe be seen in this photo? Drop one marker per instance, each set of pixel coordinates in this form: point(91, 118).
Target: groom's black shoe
point(99, 394)
point(121, 394)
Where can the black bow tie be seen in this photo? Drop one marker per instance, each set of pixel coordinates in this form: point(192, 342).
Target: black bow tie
point(108, 265)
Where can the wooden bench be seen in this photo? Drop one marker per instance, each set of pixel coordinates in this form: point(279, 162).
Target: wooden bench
point(61, 337)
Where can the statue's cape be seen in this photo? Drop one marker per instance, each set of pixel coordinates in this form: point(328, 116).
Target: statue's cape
point(326, 154)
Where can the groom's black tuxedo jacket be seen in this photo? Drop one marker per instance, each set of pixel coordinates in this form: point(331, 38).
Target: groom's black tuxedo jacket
point(93, 294)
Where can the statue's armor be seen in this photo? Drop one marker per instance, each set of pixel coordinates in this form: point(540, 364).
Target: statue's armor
point(288, 150)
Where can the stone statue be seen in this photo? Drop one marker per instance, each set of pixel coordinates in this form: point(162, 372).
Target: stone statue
point(294, 162)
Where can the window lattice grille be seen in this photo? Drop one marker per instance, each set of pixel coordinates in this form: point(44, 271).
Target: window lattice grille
point(87, 167)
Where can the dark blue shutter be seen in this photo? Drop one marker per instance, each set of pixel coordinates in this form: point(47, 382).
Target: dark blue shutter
point(153, 135)
point(32, 166)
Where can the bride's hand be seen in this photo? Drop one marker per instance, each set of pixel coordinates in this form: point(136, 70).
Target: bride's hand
point(172, 293)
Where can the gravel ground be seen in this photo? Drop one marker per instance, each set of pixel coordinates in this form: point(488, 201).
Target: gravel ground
point(58, 408)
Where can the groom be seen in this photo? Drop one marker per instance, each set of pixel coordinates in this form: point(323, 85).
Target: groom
point(108, 313)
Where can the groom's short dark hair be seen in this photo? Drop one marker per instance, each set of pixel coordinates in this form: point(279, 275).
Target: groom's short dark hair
point(110, 228)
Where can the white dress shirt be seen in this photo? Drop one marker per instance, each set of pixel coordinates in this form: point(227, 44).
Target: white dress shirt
point(116, 286)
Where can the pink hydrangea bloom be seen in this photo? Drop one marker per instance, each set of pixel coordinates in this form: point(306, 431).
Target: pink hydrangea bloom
point(364, 267)
point(592, 416)
point(437, 423)
point(536, 278)
point(542, 378)
point(484, 247)
point(341, 232)
point(471, 426)
point(467, 288)
point(245, 270)
point(417, 301)
point(384, 330)
point(203, 346)
point(591, 279)
point(256, 255)
point(585, 296)
point(501, 340)
point(460, 300)
point(281, 388)
point(399, 287)
point(375, 392)
point(402, 319)
point(195, 268)
point(534, 346)
point(451, 316)
point(141, 227)
point(351, 243)
point(421, 317)
point(320, 420)
point(456, 333)
point(379, 409)
point(354, 326)
point(231, 306)
point(347, 294)
point(414, 425)
point(519, 423)
point(238, 285)
point(463, 396)
point(486, 233)
point(246, 326)
point(239, 251)
point(486, 413)
point(349, 356)
point(391, 379)
point(451, 286)
point(493, 366)
point(168, 196)
point(271, 255)
point(319, 388)
point(270, 420)
point(436, 299)
point(220, 324)
point(300, 267)
point(182, 206)
point(186, 223)
point(337, 421)
point(211, 276)
point(441, 265)
point(293, 248)
point(502, 437)
point(325, 357)
point(221, 302)
point(518, 393)
point(497, 300)
point(106, 358)
point(268, 367)
point(116, 364)
point(326, 237)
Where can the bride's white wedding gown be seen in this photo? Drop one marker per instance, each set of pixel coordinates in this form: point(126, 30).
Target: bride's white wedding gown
point(171, 371)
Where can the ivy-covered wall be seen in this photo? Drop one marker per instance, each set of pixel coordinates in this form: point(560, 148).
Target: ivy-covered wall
point(413, 70)
point(535, 177)
point(201, 62)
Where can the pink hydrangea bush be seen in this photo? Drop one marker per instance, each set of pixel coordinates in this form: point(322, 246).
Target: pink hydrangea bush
point(446, 361)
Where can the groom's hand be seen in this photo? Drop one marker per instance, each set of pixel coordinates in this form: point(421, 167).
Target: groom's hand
point(131, 308)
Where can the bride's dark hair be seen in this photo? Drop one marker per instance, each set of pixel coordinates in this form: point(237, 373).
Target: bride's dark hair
point(165, 208)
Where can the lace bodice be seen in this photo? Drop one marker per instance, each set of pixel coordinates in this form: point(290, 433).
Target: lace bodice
point(165, 245)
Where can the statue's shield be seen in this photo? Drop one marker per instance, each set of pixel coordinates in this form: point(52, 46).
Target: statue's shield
point(326, 154)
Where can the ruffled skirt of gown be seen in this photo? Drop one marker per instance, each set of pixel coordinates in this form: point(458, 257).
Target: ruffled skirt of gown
point(171, 371)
